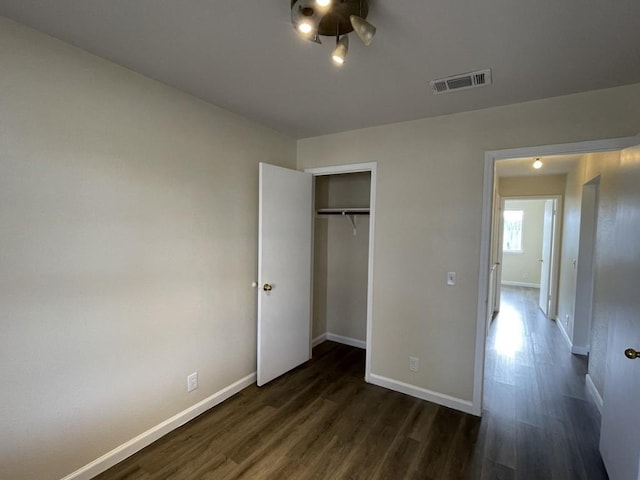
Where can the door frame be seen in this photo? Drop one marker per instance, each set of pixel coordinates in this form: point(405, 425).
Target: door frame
point(358, 168)
point(585, 268)
point(490, 158)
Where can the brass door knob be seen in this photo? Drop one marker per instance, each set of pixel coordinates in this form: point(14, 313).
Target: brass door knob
point(267, 287)
point(631, 354)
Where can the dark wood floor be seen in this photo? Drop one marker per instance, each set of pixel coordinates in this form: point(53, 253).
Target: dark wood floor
point(539, 421)
point(322, 421)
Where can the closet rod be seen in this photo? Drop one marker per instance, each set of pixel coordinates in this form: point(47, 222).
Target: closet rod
point(349, 213)
point(343, 211)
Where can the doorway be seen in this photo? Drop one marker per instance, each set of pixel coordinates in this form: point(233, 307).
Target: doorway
point(486, 261)
point(600, 156)
point(528, 363)
point(528, 247)
point(285, 257)
point(341, 243)
point(344, 207)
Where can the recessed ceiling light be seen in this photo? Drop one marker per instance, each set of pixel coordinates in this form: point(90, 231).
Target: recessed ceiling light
point(537, 164)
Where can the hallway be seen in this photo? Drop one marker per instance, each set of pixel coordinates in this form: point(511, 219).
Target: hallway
point(539, 421)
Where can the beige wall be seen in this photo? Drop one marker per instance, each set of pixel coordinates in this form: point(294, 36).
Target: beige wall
point(128, 213)
point(581, 332)
point(341, 259)
point(538, 185)
point(569, 251)
point(320, 276)
point(428, 215)
point(524, 268)
point(604, 295)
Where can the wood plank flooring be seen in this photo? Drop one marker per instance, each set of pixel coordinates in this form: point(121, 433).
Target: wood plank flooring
point(538, 420)
point(321, 421)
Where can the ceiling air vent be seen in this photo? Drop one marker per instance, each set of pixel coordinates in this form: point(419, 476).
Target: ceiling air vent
point(463, 81)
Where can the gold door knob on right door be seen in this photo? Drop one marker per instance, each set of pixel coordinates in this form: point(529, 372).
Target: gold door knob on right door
point(631, 354)
point(267, 287)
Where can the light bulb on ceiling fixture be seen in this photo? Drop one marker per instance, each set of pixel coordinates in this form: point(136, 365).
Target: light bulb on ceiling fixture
point(537, 164)
point(305, 28)
point(323, 3)
point(363, 29)
point(339, 54)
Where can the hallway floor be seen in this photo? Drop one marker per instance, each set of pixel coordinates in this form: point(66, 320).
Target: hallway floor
point(539, 421)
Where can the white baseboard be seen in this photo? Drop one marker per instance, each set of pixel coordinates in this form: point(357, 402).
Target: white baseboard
point(565, 335)
point(354, 342)
point(576, 349)
point(136, 444)
point(594, 392)
point(440, 398)
point(520, 284)
point(580, 350)
point(318, 340)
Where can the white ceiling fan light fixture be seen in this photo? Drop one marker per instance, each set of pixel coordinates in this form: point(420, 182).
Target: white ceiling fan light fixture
point(339, 54)
point(332, 18)
point(363, 29)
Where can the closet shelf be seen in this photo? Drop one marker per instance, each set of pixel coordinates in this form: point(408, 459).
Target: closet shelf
point(343, 211)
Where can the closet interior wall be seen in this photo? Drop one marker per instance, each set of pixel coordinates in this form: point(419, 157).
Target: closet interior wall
point(341, 258)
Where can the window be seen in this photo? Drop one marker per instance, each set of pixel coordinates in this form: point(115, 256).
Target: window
point(512, 239)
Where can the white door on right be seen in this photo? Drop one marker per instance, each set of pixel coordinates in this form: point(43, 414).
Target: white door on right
point(620, 432)
point(545, 261)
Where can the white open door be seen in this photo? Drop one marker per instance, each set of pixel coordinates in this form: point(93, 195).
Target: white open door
point(498, 253)
point(620, 433)
point(284, 270)
point(545, 261)
point(495, 258)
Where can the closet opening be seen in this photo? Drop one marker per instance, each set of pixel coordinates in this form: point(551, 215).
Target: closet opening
point(344, 218)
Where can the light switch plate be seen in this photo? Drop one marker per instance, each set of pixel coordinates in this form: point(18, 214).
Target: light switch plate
point(451, 278)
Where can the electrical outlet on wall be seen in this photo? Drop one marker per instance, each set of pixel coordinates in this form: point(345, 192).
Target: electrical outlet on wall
point(192, 382)
point(414, 364)
point(566, 320)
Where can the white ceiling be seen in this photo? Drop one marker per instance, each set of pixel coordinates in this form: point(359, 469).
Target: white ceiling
point(245, 56)
point(552, 165)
